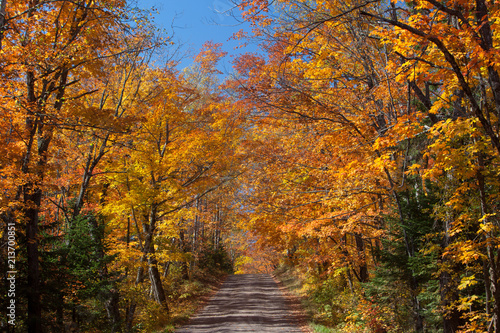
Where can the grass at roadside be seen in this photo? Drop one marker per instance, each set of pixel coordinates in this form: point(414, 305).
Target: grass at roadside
point(294, 286)
point(190, 297)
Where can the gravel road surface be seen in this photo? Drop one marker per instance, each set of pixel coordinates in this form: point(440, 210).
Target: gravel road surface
point(245, 303)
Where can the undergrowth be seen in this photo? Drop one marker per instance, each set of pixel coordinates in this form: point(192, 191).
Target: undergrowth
point(190, 295)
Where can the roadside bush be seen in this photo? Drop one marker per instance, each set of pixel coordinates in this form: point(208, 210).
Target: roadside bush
point(215, 259)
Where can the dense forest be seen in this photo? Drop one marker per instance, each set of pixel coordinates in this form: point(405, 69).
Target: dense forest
point(358, 150)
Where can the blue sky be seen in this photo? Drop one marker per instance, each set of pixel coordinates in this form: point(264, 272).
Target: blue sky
point(197, 21)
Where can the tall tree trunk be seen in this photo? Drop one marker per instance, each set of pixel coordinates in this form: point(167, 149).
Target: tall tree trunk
point(32, 195)
point(185, 249)
point(149, 252)
point(482, 18)
point(156, 284)
point(129, 316)
point(60, 311)
point(33, 198)
point(363, 266)
point(491, 266)
point(113, 310)
point(494, 287)
point(3, 20)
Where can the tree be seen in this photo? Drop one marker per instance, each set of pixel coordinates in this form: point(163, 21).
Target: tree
point(347, 91)
point(182, 150)
point(49, 49)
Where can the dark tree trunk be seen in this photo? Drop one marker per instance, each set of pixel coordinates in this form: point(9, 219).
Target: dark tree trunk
point(129, 316)
point(3, 20)
point(491, 265)
point(113, 310)
point(363, 267)
point(60, 312)
point(185, 249)
point(33, 197)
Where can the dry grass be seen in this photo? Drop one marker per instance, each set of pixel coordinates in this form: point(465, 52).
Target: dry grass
point(294, 302)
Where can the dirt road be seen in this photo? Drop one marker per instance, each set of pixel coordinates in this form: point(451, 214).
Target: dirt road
point(245, 303)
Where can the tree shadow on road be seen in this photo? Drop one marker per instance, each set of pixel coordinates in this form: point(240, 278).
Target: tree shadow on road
point(245, 303)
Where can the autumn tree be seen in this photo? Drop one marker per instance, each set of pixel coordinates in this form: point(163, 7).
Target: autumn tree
point(49, 51)
point(376, 105)
point(448, 50)
point(325, 92)
point(181, 153)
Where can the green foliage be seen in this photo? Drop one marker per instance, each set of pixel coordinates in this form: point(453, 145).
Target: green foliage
point(318, 328)
point(86, 255)
point(331, 301)
point(326, 300)
point(75, 273)
point(215, 259)
point(404, 283)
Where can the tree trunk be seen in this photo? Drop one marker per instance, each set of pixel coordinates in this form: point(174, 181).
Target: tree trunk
point(3, 20)
point(129, 316)
point(113, 310)
point(33, 198)
point(184, 248)
point(149, 253)
point(491, 266)
point(156, 284)
point(32, 195)
point(363, 267)
point(60, 312)
point(482, 18)
point(494, 288)
point(166, 269)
